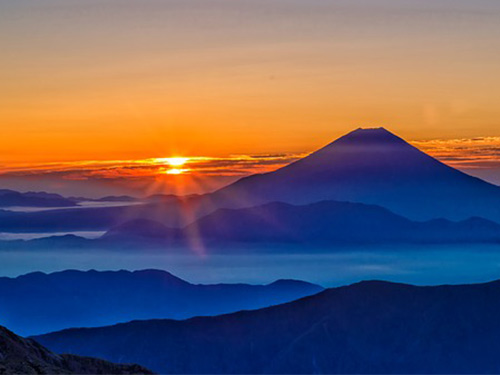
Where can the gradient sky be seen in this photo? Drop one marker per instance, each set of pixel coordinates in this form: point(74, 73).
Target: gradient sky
point(123, 80)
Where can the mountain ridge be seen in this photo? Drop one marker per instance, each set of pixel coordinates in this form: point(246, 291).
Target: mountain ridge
point(12, 198)
point(368, 327)
point(92, 298)
point(321, 222)
point(26, 356)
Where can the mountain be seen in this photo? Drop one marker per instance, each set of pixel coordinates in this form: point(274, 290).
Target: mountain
point(335, 222)
point(119, 198)
point(89, 299)
point(323, 222)
point(11, 198)
point(62, 220)
point(26, 356)
point(371, 327)
point(109, 198)
point(168, 198)
point(177, 212)
point(371, 166)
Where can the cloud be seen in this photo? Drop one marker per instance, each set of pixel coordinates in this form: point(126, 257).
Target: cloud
point(239, 165)
point(464, 153)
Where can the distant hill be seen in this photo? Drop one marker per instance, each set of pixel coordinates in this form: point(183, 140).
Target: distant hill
point(62, 220)
point(89, 299)
point(322, 222)
point(167, 198)
point(370, 327)
point(11, 198)
point(109, 198)
point(25, 356)
point(114, 198)
point(94, 218)
point(371, 166)
point(335, 222)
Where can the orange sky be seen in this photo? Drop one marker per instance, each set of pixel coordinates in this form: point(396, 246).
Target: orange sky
point(198, 174)
point(140, 79)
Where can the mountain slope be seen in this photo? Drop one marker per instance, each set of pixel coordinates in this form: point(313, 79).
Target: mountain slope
point(175, 213)
point(371, 166)
point(11, 198)
point(335, 222)
point(89, 299)
point(370, 327)
point(25, 356)
point(323, 222)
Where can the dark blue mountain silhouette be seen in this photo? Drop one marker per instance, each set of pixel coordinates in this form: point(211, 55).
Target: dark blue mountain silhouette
point(371, 166)
point(39, 303)
point(109, 198)
point(370, 327)
point(25, 356)
point(60, 220)
point(11, 198)
point(98, 218)
point(323, 222)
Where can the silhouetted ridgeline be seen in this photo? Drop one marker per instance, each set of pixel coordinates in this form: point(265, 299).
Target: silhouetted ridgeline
point(370, 327)
point(335, 222)
point(25, 356)
point(325, 222)
point(11, 198)
point(39, 303)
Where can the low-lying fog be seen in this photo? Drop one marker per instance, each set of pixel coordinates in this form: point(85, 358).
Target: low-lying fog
point(423, 265)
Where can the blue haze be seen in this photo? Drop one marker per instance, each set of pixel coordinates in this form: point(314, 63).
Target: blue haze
point(420, 265)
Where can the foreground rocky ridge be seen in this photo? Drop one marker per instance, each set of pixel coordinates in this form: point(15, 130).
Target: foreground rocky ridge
point(26, 356)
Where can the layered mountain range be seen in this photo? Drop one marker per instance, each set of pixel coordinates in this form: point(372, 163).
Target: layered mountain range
point(326, 222)
point(369, 187)
point(371, 327)
point(38, 303)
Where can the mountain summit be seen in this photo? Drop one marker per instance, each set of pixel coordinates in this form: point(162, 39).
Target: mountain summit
point(372, 166)
point(367, 152)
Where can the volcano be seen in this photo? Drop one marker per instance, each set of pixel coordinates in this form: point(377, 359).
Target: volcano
point(371, 166)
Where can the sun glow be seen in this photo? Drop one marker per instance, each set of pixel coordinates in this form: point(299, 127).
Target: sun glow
point(176, 171)
point(176, 161)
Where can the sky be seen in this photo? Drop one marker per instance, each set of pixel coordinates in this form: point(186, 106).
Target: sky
point(94, 93)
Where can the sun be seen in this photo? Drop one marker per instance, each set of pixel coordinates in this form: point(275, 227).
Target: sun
point(176, 161)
